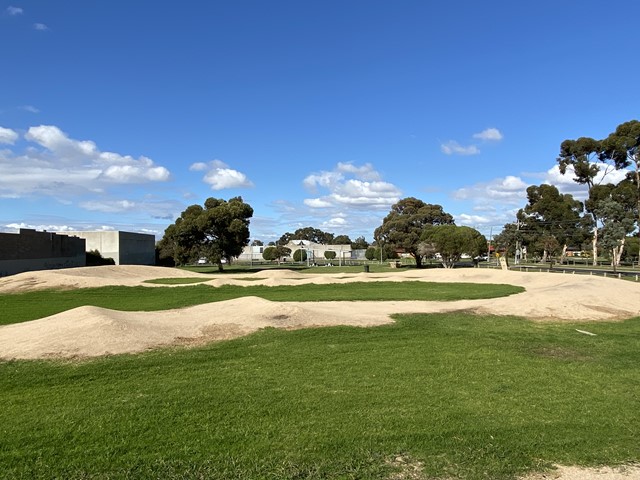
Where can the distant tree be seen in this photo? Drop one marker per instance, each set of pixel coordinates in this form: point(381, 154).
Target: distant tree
point(257, 243)
point(300, 255)
point(581, 155)
point(359, 244)
point(622, 147)
point(451, 242)
point(553, 220)
point(370, 253)
point(307, 233)
point(276, 253)
point(341, 240)
point(330, 254)
point(620, 150)
point(219, 231)
point(403, 226)
point(94, 259)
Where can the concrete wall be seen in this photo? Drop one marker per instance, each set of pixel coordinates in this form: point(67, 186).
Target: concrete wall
point(137, 249)
point(30, 250)
point(126, 248)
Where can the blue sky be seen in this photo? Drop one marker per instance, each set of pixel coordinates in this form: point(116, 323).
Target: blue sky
point(318, 113)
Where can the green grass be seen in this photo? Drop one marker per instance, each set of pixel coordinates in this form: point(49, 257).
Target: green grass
point(177, 281)
point(22, 307)
point(471, 397)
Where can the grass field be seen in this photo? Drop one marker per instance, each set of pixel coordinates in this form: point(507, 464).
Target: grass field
point(22, 307)
point(453, 396)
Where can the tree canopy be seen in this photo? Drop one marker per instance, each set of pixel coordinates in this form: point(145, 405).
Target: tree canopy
point(403, 226)
point(218, 232)
point(307, 233)
point(451, 242)
point(552, 220)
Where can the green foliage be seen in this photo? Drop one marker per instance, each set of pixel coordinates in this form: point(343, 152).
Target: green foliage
point(300, 255)
point(219, 231)
point(94, 259)
point(370, 253)
point(403, 226)
point(341, 240)
point(275, 252)
point(552, 220)
point(329, 254)
point(307, 233)
point(451, 242)
point(457, 395)
point(360, 243)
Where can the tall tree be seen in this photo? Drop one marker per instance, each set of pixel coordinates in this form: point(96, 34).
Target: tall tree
point(622, 147)
point(403, 226)
point(555, 219)
point(219, 231)
point(582, 156)
point(451, 242)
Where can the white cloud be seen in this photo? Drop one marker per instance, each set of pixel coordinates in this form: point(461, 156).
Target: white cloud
point(69, 171)
point(8, 136)
point(317, 203)
point(489, 135)
point(566, 184)
point(40, 26)
point(454, 148)
point(198, 167)
point(220, 176)
point(508, 190)
point(29, 108)
point(365, 190)
point(11, 10)
point(115, 206)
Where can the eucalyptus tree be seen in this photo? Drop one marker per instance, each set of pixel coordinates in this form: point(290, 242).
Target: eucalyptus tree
point(402, 228)
point(555, 220)
point(219, 232)
point(452, 241)
point(622, 147)
point(582, 156)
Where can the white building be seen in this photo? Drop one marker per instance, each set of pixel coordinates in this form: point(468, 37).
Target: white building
point(315, 252)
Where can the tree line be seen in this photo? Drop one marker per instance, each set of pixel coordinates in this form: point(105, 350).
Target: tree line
point(605, 222)
point(547, 225)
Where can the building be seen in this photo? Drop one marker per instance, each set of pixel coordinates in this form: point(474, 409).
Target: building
point(315, 252)
point(126, 248)
point(30, 250)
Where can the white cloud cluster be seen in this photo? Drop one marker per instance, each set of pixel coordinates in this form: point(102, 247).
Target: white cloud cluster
point(8, 136)
point(509, 190)
point(351, 186)
point(454, 148)
point(489, 135)
point(57, 166)
point(40, 26)
point(13, 11)
point(220, 176)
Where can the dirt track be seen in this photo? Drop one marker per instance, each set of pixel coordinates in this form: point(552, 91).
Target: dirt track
point(93, 331)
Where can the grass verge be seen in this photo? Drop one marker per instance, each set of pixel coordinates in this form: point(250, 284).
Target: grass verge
point(463, 396)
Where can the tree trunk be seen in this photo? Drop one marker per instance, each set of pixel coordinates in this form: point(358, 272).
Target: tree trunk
point(545, 254)
point(418, 259)
point(594, 244)
point(563, 255)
